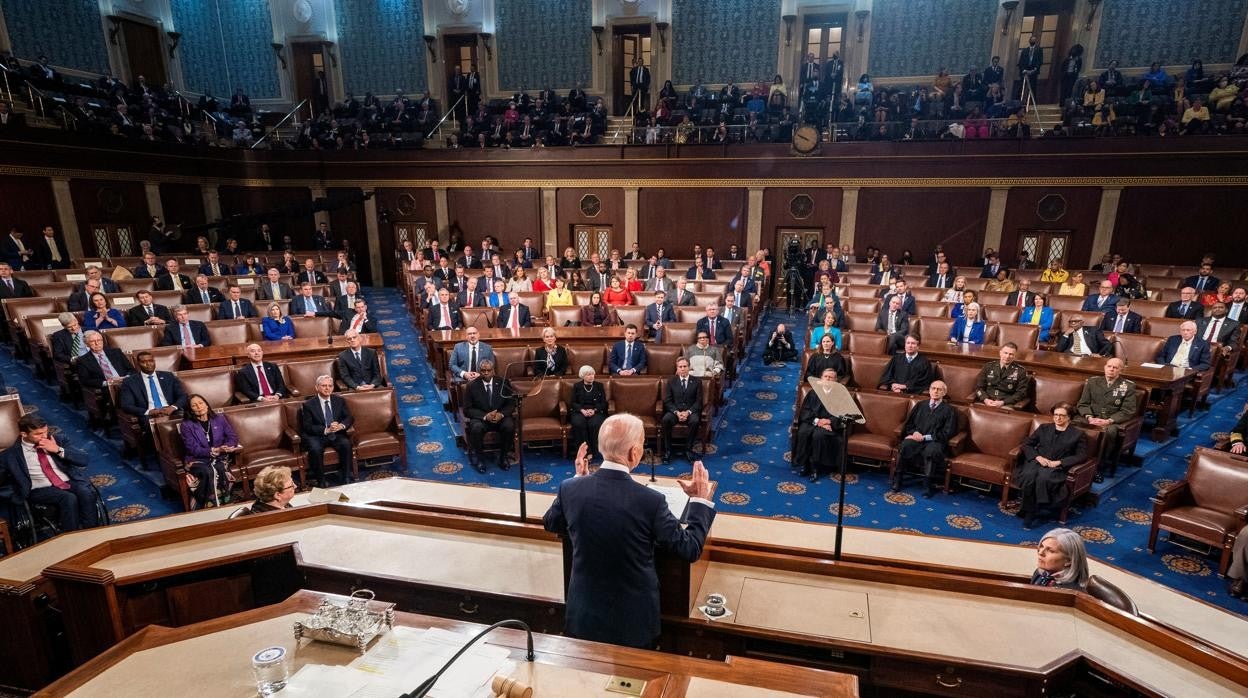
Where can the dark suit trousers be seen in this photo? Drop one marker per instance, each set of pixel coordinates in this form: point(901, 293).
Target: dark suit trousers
point(75, 506)
point(316, 446)
point(585, 429)
point(477, 429)
point(927, 457)
point(670, 421)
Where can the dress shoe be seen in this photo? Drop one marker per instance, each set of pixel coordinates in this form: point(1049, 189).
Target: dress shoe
point(894, 487)
point(1029, 521)
point(927, 493)
point(1237, 588)
point(814, 477)
point(479, 467)
point(504, 462)
point(667, 458)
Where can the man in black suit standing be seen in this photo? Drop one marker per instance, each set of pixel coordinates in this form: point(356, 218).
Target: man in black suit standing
point(927, 432)
point(1030, 60)
point(488, 404)
point(50, 253)
point(14, 250)
point(43, 472)
point(639, 78)
point(358, 320)
point(263, 239)
point(323, 422)
point(322, 239)
point(682, 404)
point(11, 287)
point(185, 332)
point(260, 380)
point(358, 366)
point(235, 307)
point(473, 89)
point(1187, 307)
point(614, 525)
point(99, 364)
point(457, 87)
point(147, 312)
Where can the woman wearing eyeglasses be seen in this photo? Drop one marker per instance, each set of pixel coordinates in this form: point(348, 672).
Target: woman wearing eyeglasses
point(274, 489)
point(1048, 453)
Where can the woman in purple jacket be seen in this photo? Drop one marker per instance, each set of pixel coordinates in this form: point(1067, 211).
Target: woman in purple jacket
point(210, 443)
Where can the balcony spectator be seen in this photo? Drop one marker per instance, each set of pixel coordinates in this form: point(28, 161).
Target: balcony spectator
point(1196, 119)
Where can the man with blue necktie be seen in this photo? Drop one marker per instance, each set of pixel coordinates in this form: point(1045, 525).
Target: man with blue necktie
point(308, 304)
point(150, 393)
point(235, 307)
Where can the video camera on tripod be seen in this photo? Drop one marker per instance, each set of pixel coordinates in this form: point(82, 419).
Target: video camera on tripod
point(794, 281)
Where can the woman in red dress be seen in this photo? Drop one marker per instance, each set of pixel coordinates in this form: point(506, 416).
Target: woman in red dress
point(617, 294)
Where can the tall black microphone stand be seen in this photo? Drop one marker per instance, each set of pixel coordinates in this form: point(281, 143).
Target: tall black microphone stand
point(844, 422)
point(519, 398)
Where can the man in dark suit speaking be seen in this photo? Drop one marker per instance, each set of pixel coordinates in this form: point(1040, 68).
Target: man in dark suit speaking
point(614, 525)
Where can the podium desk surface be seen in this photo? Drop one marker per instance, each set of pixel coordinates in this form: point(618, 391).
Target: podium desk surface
point(213, 659)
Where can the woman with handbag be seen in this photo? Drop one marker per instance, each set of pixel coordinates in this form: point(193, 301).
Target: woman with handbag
point(210, 444)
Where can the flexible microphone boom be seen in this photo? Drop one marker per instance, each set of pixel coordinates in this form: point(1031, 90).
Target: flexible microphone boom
point(427, 685)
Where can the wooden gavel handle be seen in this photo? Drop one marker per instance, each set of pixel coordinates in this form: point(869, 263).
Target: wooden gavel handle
point(507, 687)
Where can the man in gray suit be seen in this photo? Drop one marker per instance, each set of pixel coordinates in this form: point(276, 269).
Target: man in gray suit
point(273, 288)
point(660, 281)
point(358, 365)
point(468, 355)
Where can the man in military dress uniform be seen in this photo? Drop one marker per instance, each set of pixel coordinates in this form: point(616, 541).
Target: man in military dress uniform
point(1107, 402)
point(1003, 383)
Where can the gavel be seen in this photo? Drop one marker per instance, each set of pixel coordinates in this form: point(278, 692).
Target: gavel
point(507, 687)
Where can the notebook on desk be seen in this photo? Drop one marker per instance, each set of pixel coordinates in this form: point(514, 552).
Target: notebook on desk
point(677, 500)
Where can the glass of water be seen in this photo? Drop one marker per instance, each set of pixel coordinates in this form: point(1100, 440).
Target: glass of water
point(271, 669)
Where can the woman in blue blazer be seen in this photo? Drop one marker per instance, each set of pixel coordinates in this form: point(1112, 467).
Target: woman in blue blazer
point(1038, 314)
point(275, 327)
point(968, 328)
point(209, 441)
point(101, 315)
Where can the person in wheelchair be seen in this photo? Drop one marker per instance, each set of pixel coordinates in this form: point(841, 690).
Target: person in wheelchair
point(44, 473)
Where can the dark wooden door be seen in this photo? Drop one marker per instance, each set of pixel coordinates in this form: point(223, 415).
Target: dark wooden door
point(1050, 22)
point(308, 76)
point(588, 239)
point(629, 43)
point(144, 53)
point(1044, 246)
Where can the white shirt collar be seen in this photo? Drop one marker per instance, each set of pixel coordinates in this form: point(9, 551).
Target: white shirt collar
point(608, 465)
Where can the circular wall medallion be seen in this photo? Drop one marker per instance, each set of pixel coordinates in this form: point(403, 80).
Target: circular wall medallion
point(110, 200)
point(591, 205)
point(459, 8)
point(1051, 208)
point(302, 11)
point(406, 204)
point(802, 206)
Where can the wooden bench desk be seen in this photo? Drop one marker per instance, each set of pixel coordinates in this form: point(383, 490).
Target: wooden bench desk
point(288, 350)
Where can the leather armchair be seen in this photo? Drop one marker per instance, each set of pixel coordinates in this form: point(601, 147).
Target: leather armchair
point(301, 375)
point(1027, 337)
point(960, 381)
point(936, 329)
point(878, 440)
point(1102, 590)
point(378, 430)
point(932, 309)
point(510, 361)
point(1079, 477)
point(594, 356)
point(866, 370)
point(679, 333)
point(479, 317)
point(634, 314)
point(267, 437)
point(545, 415)
point(661, 359)
point(1050, 390)
point(329, 458)
point(563, 315)
point(864, 343)
point(133, 339)
point(215, 384)
point(639, 395)
point(991, 449)
point(1209, 505)
point(1000, 313)
point(227, 331)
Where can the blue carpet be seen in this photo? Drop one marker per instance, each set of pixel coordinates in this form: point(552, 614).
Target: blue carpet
point(748, 458)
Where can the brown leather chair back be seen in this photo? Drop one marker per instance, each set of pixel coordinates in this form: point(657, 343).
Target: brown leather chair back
point(204, 312)
point(704, 298)
point(690, 313)
point(301, 375)
point(990, 335)
point(536, 302)
point(860, 322)
point(866, 370)
point(861, 305)
point(1149, 309)
point(1051, 390)
point(1091, 318)
point(565, 315)
point(922, 293)
point(511, 360)
point(133, 286)
point(933, 309)
point(1216, 481)
point(587, 355)
point(260, 425)
point(661, 358)
point(133, 339)
point(479, 317)
point(993, 298)
point(215, 384)
point(40, 328)
point(167, 358)
point(857, 278)
point(1072, 303)
point(543, 403)
point(1027, 337)
point(16, 309)
point(167, 298)
point(371, 410)
point(1162, 326)
point(960, 380)
point(228, 332)
point(679, 333)
point(999, 313)
point(638, 396)
point(716, 287)
point(995, 432)
point(37, 276)
point(582, 297)
point(885, 412)
point(1138, 348)
point(10, 412)
point(872, 343)
point(56, 289)
point(936, 329)
point(314, 326)
point(631, 314)
point(861, 291)
point(1099, 588)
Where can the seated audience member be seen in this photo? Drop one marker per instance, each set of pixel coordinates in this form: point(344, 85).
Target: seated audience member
point(202, 293)
point(925, 443)
point(467, 356)
point(1186, 350)
point(1196, 118)
point(682, 296)
point(107, 285)
point(716, 328)
point(587, 409)
point(992, 267)
point(44, 472)
point(968, 329)
point(148, 268)
point(1054, 274)
point(1216, 327)
point(1003, 383)
point(628, 356)
point(1073, 286)
point(357, 320)
point(595, 313)
point(1223, 95)
point(150, 393)
point(519, 282)
point(273, 288)
point(894, 321)
point(817, 446)
point(1001, 283)
point(274, 488)
point(1187, 307)
point(658, 313)
point(826, 355)
point(277, 326)
point(1023, 296)
point(468, 296)
point(550, 359)
point(1083, 341)
point(323, 421)
point(1106, 402)
point(965, 298)
point(559, 295)
point(514, 315)
point(704, 359)
point(173, 279)
point(617, 294)
point(543, 282)
point(1061, 561)
point(235, 307)
point(1038, 314)
point(828, 328)
point(1237, 308)
point(682, 404)
point(80, 301)
point(444, 315)
point(69, 342)
point(1221, 295)
point(250, 266)
point(185, 332)
point(1123, 319)
point(780, 346)
point(907, 371)
point(358, 365)
point(11, 287)
point(260, 380)
point(210, 444)
point(102, 315)
point(1103, 301)
point(1047, 454)
point(309, 304)
point(99, 365)
point(489, 403)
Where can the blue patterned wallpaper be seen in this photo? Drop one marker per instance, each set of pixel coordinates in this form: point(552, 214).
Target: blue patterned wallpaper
point(225, 44)
point(379, 45)
point(69, 32)
point(718, 40)
point(917, 37)
point(1138, 32)
point(544, 43)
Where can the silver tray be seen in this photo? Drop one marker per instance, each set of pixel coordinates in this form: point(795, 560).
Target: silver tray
point(351, 624)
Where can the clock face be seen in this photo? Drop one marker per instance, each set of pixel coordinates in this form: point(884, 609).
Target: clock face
point(806, 139)
point(302, 11)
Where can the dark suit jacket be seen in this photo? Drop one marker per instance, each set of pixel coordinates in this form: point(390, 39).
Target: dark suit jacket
point(677, 400)
point(654, 313)
point(193, 297)
point(560, 357)
point(614, 525)
point(62, 346)
point(132, 396)
point(1094, 303)
point(356, 373)
point(907, 303)
point(13, 463)
point(478, 298)
point(264, 293)
point(916, 375)
point(225, 311)
point(903, 322)
point(165, 282)
point(988, 273)
point(474, 264)
point(315, 278)
point(369, 326)
point(1210, 285)
point(1028, 299)
point(1194, 310)
point(320, 308)
point(1133, 324)
point(934, 281)
point(43, 254)
point(1093, 337)
point(435, 317)
point(141, 272)
point(90, 374)
point(10, 253)
point(616, 361)
point(312, 418)
point(222, 267)
point(723, 330)
point(247, 383)
point(21, 289)
point(173, 334)
point(477, 404)
point(77, 301)
point(1227, 332)
point(137, 315)
point(708, 274)
point(504, 315)
point(1199, 357)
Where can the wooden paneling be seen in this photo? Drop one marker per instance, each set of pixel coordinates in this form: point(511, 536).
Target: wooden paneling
point(27, 203)
point(825, 214)
point(896, 220)
point(676, 219)
point(568, 213)
point(287, 210)
point(102, 201)
point(1178, 225)
point(1082, 206)
point(183, 204)
point(347, 223)
point(510, 215)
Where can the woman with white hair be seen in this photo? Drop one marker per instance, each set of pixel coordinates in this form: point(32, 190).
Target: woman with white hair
point(587, 408)
point(1061, 560)
point(968, 329)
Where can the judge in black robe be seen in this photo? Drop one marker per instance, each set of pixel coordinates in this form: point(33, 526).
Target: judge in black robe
point(819, 434)
point(1048, 453)
point(908, 369)
point(925, 438)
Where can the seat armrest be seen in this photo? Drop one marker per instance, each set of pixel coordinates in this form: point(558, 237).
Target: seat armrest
point(563, 412)
point(241, 398)
point(611, 406)
point(658, 410)
point(1242, 513)
point(294, 392)
point(1170, 496)
point(957, 443)
point(293, 437)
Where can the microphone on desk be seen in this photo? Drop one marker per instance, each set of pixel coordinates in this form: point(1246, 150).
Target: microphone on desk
point(427, 685)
